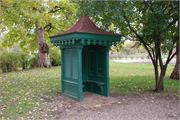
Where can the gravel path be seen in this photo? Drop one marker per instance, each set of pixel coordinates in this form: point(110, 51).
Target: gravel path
point(117, 107)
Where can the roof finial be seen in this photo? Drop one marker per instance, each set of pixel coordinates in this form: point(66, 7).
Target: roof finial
point(83, 21)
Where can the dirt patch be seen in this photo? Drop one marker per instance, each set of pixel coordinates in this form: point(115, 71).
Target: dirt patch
point(117, 106)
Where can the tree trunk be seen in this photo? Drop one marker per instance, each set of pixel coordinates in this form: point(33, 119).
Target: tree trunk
point(43, 48)
point(163, 72)
point(156, 77)
point(175, 72)
point(156, 65)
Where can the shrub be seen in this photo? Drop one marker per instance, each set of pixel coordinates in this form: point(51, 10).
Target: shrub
point(10, 61)
point(23, 60)
point(55, 56)
point(4, 59)
point(33, 60)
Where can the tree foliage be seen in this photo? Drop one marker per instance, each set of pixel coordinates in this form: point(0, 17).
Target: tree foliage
point(153, 24)
point(14, 59)
point(55, 56)
point(18, 18)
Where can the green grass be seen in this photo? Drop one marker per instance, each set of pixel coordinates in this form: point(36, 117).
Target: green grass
point(21, 91)
point(138, 78)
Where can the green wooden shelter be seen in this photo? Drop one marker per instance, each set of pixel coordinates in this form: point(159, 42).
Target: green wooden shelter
point(84, 59)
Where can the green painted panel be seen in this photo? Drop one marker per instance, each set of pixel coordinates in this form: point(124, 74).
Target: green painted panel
point(71, 89)
point(67, 63)
point(85, 63)
point(75, 64)
point(100, 65)
point(97, 62)
point(72, 84)
point(92, 62)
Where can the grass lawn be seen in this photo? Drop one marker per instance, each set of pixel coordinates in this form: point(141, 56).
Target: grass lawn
point(139, 78)
point(21, 91)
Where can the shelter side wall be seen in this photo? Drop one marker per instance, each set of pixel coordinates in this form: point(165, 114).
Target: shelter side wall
point(70, 81)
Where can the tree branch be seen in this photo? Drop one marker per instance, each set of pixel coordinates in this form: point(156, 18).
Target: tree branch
point(145, 45)
point(170, 58)
point(1, 3)
point(160, 59)
point(149, 6)
point(152, 50)
point(130, 39)
point(173, 22)
point(50, 26)
point(53, 11)
point(166, 8)
point(170, 52)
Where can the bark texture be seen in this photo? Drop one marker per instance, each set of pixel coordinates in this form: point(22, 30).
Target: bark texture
point(175, 72)
point(43, 48)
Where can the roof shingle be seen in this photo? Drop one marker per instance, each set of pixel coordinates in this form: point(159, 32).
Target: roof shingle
point(85, 25)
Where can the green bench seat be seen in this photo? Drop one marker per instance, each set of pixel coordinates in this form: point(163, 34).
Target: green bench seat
point(100, 84)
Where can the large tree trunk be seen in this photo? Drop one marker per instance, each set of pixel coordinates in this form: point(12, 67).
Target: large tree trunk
point(175, 72)
point(43, 48)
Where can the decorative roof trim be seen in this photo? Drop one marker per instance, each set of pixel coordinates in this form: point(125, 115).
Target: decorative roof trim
point(84, 42)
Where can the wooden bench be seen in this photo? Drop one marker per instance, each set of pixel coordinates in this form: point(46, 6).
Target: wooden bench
point(100, 84)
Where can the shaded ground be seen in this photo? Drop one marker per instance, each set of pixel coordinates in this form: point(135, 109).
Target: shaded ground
point(117, 106)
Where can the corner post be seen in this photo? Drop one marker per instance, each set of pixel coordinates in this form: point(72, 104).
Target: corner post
point(107, 69)
point(62, 70)
point(80, 74)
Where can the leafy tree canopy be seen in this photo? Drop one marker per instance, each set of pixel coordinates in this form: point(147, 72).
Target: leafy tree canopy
point(153, 24)
point(137, 19)
point(18, 19)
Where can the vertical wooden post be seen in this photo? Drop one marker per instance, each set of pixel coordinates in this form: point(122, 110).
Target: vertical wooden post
point(62, 70)
point(107, 70)
point(80, 74)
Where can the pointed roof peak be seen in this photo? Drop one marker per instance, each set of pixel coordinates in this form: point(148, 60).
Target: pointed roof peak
point(85, 25)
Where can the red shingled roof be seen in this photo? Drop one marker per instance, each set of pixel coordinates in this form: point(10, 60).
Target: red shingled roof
point(85, 25)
